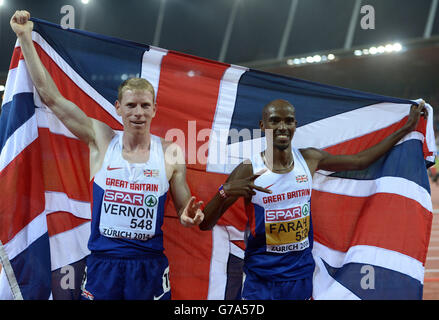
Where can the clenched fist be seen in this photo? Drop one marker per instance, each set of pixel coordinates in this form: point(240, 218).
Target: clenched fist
point(21, 24)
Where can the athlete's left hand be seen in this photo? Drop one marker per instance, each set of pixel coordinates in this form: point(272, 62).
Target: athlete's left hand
point(416, 112)
point(192, 214)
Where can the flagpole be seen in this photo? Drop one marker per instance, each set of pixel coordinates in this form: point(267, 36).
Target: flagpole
point(430, 20)
point(352, 25)
point(158, 27)
point(10, 275)
point(228, 32)
point(287, 30)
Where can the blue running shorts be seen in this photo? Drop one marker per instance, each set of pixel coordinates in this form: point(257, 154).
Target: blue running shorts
point(255, 288)
point(115, 278)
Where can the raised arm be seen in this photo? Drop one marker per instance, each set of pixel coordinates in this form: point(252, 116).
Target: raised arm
point(240, 183)
point(319, 159)
point(70, 115)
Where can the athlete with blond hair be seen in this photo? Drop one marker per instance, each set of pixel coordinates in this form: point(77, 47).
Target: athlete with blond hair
point(131, 179)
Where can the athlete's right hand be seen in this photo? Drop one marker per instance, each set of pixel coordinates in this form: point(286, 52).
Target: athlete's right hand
point(244, 187)
point(20, 23)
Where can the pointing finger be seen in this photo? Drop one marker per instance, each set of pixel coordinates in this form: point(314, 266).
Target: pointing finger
point(199, 217)
point(257, 174)
point(253, 186)
point(191, 202)
point(186, 221)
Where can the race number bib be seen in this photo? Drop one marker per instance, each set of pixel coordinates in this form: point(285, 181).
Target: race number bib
point(287, 230)
point(129, 215)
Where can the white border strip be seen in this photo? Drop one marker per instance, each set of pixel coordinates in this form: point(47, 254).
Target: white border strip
point(372, 255)
point(222, 119)
point(235, 234)
point(366, 188)
point(69, 246)
point(18, 141)
point(75, 77)
point(429, 134)
point(329, 131)
point(26, 236)
point(151, 66)
point(55, 201)
point(218, 263)
point(18, 81)
point(47, 119)
point(326, 287)
point(59, 201)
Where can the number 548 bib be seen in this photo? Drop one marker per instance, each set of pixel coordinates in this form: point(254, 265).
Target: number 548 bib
point(130, 215)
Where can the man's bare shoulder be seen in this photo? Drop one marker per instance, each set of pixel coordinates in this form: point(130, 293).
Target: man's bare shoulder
point(174, 155)
point(312, 153)
point(103, 134)
point(242, 170)
point(167, 143)
point(170, 146)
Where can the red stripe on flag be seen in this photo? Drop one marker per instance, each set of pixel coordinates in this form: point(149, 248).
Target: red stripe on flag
point(16, 57)
point(239, 243)
point(383, 220)
point(189, 84)
point(61, 221)
point(179, 241)
point(366, 141)
point(22, 192)
point(250, 212)
point(189, 251)
point(65, 165)
point(75, 94)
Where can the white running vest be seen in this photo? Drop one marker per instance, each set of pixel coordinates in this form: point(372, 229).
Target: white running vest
point(284, 215)
point(132, 193)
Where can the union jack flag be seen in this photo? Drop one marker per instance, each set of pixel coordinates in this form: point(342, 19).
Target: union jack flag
point(378, 217)
point(151, 173)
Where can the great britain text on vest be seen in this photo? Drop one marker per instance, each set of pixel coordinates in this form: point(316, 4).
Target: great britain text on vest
point(132, 186)
point(286, 195)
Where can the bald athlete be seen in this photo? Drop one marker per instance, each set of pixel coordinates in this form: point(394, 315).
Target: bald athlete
point(278, 263)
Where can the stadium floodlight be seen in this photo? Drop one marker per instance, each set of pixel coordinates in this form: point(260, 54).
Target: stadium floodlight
point(388, 47)
point(397, 47)
point(2, 2)
point(85, 1)
point(317, 58)
point(310, 59)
